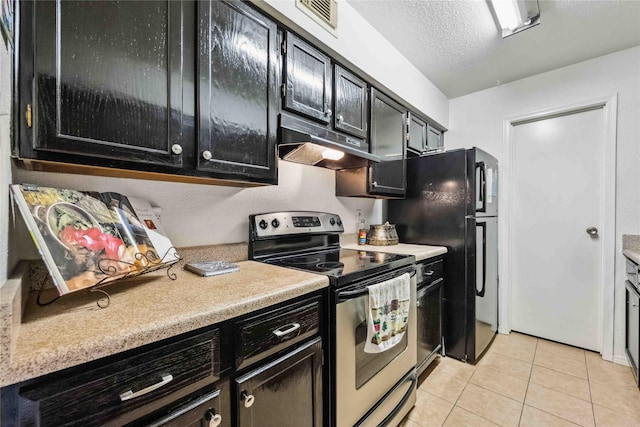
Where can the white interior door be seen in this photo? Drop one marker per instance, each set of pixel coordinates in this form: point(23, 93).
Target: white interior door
point(557, 195)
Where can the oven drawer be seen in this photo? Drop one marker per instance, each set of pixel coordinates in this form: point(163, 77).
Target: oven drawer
point(266, 334)
point(123, 391)
point(429, 272)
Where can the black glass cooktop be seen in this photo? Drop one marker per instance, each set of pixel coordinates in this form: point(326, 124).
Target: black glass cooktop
point(344, 264)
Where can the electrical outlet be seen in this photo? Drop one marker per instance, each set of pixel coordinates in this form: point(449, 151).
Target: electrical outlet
point(359, 219)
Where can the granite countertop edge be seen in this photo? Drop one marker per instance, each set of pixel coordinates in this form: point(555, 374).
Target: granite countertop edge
point(421, 252)
point(633, 255)
point(264, 285)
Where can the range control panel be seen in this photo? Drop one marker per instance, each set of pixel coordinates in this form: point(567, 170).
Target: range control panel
point(283, 223)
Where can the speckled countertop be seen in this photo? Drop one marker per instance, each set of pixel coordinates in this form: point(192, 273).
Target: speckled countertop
point(419, 251)
point(143, 310)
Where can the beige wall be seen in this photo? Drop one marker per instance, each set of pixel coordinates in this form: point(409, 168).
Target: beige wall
point(5, 165)
point(477, 120)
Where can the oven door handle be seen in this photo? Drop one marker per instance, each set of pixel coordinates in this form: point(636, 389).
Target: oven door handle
point(345, 295)
point(360, 291)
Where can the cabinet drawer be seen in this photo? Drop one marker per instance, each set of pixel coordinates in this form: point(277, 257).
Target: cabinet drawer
point(268, 333)
point(429, 273)
point(126, 390)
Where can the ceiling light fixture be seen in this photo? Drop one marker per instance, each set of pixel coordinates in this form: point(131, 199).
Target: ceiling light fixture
point(514, 16)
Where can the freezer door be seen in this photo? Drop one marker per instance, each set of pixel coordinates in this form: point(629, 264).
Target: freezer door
point(485, 289)
point(482, 170)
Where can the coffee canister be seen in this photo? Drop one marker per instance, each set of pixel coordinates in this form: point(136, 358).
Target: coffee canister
point(362, 237)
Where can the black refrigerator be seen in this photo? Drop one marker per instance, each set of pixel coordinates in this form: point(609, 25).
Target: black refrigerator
point(452, 201)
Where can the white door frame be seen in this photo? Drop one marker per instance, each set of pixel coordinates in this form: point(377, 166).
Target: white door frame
point(609, 106)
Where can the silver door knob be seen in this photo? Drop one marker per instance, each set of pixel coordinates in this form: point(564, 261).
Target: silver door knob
point(592, 231)
point(176, 149)
point(207, 155)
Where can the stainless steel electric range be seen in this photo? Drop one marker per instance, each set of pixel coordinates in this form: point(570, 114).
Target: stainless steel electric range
point(366, 388)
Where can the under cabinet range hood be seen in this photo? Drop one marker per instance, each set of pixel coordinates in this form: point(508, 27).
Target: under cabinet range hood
point(301, 141)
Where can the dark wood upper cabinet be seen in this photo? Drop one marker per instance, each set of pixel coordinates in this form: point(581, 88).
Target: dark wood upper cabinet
point(108, 80)
point(307, 86)
point(350, 103)
point(238, 64)
point(388, 135)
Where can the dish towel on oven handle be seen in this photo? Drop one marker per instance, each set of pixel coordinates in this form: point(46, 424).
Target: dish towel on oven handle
point(387, 313)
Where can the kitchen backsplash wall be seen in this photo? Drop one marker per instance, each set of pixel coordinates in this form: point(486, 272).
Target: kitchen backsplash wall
point(631, 241)
point(195, 215)
point(5, 162)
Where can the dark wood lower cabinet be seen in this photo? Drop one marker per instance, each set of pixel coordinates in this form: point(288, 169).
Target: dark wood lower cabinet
point(193, 379)
point(284, 393)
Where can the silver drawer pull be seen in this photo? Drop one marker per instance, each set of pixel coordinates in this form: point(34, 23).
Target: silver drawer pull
point(282, 332)
point(429, 273)
point(128, 395)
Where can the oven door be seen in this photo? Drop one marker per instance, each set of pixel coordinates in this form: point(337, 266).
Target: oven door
point(364, 379)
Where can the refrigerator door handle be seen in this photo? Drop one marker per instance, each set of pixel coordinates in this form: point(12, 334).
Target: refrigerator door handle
point(483, 187)
point(480, 292)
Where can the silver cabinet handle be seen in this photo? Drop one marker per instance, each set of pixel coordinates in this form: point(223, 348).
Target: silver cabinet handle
point(592, 231)
point(207, 155)
point(176, 149)
point(282, 332)
point(128, 395)
point(340, 118)
point(429, 273)
point(328, 112)
point(374, 184)
point(247, 399)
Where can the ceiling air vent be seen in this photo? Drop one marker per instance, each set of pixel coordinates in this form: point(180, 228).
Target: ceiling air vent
point(325, 12)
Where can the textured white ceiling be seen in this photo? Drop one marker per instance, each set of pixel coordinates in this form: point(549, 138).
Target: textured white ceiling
point(456, 44)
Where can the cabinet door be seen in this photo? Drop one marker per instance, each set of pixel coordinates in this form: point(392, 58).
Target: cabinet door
point(417, 134)
point(435, 139)
point(284, 393)
point(350, 103)
point(108, 80)
point(429, 310)
point(212, 409)
point(633, 328)
point(388, 133)
point(237, 87)
point(307, 75)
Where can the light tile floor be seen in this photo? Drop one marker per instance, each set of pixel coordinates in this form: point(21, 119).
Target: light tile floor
point(526, 381)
